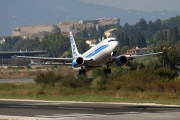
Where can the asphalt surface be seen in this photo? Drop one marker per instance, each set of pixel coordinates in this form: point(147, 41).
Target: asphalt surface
point(47, 110)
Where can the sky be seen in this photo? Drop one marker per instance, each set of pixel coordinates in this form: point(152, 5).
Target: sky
point(141, 5)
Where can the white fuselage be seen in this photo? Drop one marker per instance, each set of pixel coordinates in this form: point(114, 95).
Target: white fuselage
point(100, 53)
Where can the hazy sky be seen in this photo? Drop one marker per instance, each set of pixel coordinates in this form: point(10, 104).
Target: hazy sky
point(142, 5)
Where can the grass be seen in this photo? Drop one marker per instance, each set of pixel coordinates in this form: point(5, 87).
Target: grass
point(95, 98)
point(39, 92)
point(141, 86)
point(18, 73)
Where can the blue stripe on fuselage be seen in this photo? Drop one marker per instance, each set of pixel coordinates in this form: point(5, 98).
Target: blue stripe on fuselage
point(97, 51)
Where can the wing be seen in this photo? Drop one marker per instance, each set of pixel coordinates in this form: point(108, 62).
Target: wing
point(135, 56)
point(123, 59)
point(52, 61)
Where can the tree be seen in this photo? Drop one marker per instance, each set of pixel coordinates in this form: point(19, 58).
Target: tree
point(81, 44)
point(19, 45)
point(157, 25)
point(12, 40)
point(6, 47)
point(170, 56)
point(143, 41)
point(165, 36)
point(126, 41)
point(31, 45)
point(140, 40)
point(178, 47)
point(158, 36)
point(174, 35)
point(67, 54)
point(124, 49)
point(132, 42)
point(56, 44)
point(142, 25)
point(150, 30)
point(121, 40)
point(85, 33)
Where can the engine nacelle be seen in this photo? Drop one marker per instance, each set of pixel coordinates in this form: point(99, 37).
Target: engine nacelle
point(79, 61)
point(121, 60)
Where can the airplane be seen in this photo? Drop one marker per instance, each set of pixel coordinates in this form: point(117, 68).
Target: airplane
point(101, 54)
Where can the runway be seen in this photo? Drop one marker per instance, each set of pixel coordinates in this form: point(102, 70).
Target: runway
point(47, 110)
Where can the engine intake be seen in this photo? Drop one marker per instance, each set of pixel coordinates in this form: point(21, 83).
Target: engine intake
point(121, 60)
point(79, 61)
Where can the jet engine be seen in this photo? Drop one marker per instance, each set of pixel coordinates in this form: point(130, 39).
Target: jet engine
point(79, 61)
point(121, 60)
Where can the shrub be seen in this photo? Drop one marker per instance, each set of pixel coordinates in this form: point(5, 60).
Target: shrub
point(99, 83)
point(69, 81)
point(29, 67)
point(166, 72)
point(11, 67)
point(52, 78)
point(99, 78)
point(145, 80)
point(47, 78)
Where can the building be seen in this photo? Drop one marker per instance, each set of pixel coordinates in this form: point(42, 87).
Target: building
point(109, 33)
point(64, 27)
point(139, 51)
point(34, 31)
point(91, 43)
point(2, 41)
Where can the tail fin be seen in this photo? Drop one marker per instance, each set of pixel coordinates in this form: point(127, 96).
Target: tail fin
point(75, 52)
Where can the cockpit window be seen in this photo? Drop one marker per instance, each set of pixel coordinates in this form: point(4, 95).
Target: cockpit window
point(112, 40)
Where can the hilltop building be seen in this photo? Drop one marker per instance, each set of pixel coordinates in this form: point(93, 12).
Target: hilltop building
point(33, 31)
point(64, 27)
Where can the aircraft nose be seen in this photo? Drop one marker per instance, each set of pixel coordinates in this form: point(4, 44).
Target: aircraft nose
point(116, 45)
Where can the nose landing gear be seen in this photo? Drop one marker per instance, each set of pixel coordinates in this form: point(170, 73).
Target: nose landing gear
point(107, 70)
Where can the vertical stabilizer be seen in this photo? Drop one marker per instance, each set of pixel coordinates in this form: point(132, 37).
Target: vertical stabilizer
point(75, 52)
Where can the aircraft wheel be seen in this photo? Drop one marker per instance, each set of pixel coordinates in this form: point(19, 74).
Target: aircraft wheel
point(84, 71)
point(80, 72)
point(109, 71)
point(105, 71)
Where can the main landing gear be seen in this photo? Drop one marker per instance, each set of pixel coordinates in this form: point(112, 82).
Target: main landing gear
point(82, 71)
point(107, 71)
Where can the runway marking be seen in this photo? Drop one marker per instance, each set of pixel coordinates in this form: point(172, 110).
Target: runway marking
point(46, 103)
point(23, 106)
point(76, 116)
point(114, 113)
point(5, 117)
point(63, 116)
point(76, 108)
point(80, 115)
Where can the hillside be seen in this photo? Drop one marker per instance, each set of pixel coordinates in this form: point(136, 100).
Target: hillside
point(21, 12)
